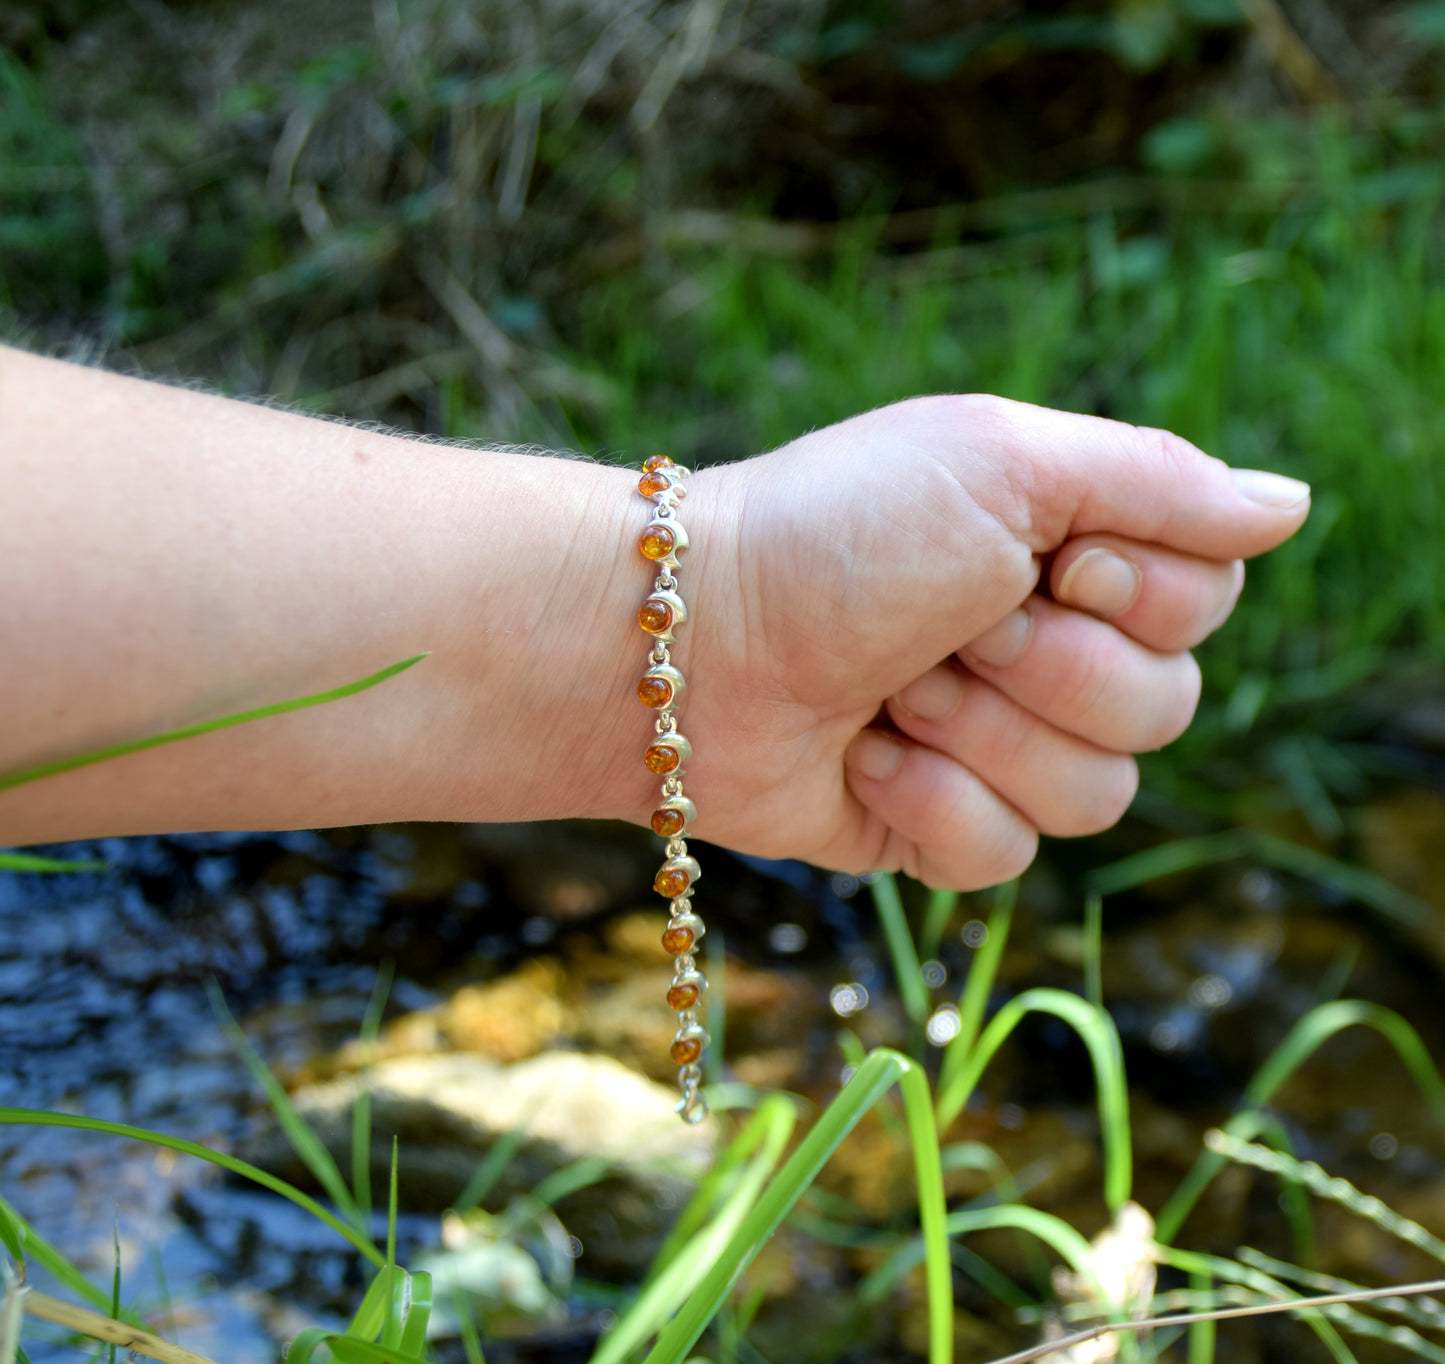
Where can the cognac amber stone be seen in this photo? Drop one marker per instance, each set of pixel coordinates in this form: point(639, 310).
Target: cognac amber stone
point(656, 692)
point(657, 542)
point(667, 822)
point(678, 940)
point(649, 485)
point(656, 462)
point(686, 1050)
point(671, 882)
point(655, 616)
point(682, 996)
point(659, 758)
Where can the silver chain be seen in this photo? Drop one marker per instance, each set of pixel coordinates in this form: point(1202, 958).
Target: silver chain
point(663, 483)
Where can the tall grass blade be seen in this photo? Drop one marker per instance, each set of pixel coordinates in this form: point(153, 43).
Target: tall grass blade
point(1099, 1035)
point(1271, 1289)
point(27, 1117)
point(873, 1079)
point(1331, 1187)
point(978, 985)
point(907, 969)
point(12, 1235)
point(1094, 949)
point(29, 862)
point(471, 1341)
point(51, 1260)
point(101, 755)
point(1186, 854)
point(939, 913)
point(307, 1145)
point(490, 1169)
point(707, 1225)
point(115, 1280)
point(1317, 1026)
point(413, 1335)
point(391, 1204)
point(1202, 1334)
point(348, 1350)
point(361, 1109)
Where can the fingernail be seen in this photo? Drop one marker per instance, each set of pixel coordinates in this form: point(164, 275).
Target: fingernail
point(1002, 644)
point(934, 696)
point(1270, 490)
point(1101, 582)
point(875, 755)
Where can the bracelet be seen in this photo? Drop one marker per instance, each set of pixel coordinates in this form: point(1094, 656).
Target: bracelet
point(661, 688)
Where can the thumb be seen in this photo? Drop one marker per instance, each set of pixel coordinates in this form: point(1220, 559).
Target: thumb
point(1071, 475)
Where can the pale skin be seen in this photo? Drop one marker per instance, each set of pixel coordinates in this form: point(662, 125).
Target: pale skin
point(916, 639)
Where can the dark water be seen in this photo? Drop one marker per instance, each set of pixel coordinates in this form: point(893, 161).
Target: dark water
point(104, 1011)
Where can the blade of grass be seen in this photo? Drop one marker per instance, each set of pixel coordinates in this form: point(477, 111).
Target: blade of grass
point(391, 1203)
point(1099, 1035)
point(906, 968)
point(370, 1317)
point(1317, 1026)
point(346, 1350)
point(12, 1235)
point(29, 862)
point(413, 1335)
point(874, 1078)
point(1094, 949)
point(1331, 1187)
point(37, 1118)
point(978, 986)
point(1201, 1333)
point(115, 1280)
point(490, 1168)
point(307, 1145)
point(769, 1129)
point(244, 717)
point(1233, 1272)
point(163, 1289)
point(471, 1341)
point(705, 1229)
point(936, 918)
point(51, 1260)
point(1185, 854)
point(361, 1109)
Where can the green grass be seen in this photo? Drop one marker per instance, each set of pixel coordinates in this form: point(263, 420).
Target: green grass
point(752, 1190)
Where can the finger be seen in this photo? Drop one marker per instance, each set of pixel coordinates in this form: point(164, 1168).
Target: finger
point(1072, 475)
point(953, 830)
point(1162, 598)
point(1061, 784)
point(1083, 676)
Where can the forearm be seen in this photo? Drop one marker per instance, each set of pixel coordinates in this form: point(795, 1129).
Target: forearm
point(171, 557)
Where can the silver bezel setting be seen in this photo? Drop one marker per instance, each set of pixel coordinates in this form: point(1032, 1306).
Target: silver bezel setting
point(679, 612)
point(668, 674)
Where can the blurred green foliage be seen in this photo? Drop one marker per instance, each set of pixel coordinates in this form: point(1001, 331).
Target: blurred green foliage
point(709, 226)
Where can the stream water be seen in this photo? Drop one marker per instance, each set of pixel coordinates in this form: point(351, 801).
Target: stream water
point(104, 1011)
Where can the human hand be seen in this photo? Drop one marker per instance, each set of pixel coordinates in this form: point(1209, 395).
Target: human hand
point(928, 634)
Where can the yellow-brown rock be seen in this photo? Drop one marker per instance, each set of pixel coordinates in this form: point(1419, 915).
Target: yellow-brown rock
point(511, 1018)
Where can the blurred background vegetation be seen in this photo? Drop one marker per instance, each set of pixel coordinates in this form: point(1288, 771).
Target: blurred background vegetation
point(710, 225)
point(706, 226)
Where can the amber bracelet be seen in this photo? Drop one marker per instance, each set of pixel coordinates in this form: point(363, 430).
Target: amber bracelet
point(663, 483)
